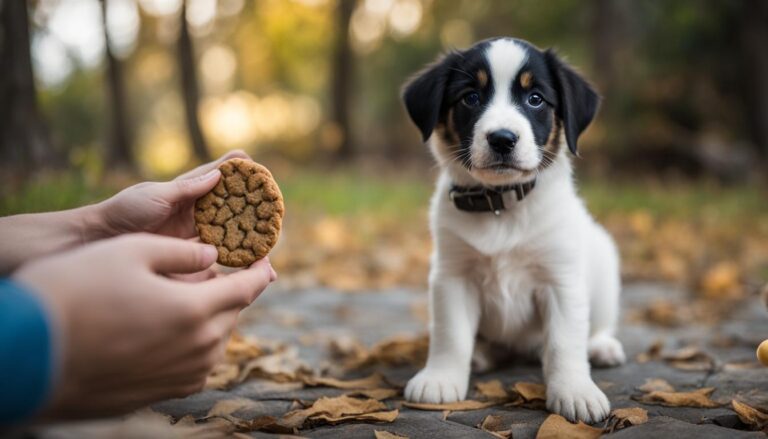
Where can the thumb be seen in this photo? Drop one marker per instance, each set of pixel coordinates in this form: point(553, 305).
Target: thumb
point(236, 290)
point(171, 255)
point(187, 188)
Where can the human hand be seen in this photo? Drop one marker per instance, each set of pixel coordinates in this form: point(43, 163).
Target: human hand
point(130, 335)
point(162, 208)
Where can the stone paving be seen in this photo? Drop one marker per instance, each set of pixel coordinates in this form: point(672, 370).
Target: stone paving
point(373, 316)
point(297, 316)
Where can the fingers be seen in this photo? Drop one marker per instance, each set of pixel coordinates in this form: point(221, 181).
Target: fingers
point(186, 189)
point(199, 276)
point(171, 255)
point(203, 169)
point(237, 290)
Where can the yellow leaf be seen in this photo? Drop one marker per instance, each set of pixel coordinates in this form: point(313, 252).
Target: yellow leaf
point(492, 389)
point(751, 416)
point(697, 398)
point(557, 427)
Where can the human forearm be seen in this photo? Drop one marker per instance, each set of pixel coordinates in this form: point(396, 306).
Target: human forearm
point(28, 236)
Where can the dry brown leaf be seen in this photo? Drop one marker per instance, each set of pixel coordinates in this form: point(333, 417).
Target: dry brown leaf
point(741, 365)
point(494, 425)
point(222, 375)
point(654, 384)
point(377, 394)
point(394, 351)
point(457, 406)
point(340, 409)
point(689, 358)
point(756, 419)
point(379, 434)
point(281, 366)
point(652, 353)
point(531, 391)
point(723, 281)
point(696, 398)
point(226, 407)
point(240, 348)
point(626, 417)
point(492, 389)
point(373, 381)
point(557, 427)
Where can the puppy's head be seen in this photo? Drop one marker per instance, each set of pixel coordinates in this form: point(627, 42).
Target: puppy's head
point(499, 108)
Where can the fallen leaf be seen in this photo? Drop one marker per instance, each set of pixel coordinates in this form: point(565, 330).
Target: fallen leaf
point(394, 351)
point(494, 425)
point(226, 407)
point(626, 417)
point(373, 381)
point(240, 348)
point(722, 281)
point(340, 409)
point(222, 375)
point(557, 427)
point(696, 398)
point(741, 365)
point(531, 391)
point(652, 353)
point(756, 419)
point(653, 384)
point(492, 389)
point(379, 434)
point(457, 406)
point(377, 394)
point(281, 366)
point(689, 358)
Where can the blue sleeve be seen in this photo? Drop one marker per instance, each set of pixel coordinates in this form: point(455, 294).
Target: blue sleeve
point(26, 354)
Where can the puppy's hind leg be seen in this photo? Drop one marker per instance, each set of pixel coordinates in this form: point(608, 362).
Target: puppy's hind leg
point(603, 347)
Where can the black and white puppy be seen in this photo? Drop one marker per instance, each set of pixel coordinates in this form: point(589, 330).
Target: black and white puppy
point(517, 257)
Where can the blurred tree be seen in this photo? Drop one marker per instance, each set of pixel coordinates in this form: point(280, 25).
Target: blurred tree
point(754, 36)
point(119, 142)
point(342, 79)
point(24, 139)
point(190, 89)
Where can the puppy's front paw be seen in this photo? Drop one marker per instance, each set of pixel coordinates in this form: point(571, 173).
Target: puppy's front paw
point(605, 351)
point(437, 386)
point(577, 399)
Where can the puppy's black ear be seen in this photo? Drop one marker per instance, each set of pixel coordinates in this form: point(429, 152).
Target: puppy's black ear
point(423, 94)
point(577, 101)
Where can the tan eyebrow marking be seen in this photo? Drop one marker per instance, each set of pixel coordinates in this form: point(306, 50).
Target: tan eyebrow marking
point(482, 78)
point(526, 79)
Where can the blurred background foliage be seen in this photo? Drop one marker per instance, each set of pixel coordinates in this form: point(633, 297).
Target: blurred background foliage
point(97, 94)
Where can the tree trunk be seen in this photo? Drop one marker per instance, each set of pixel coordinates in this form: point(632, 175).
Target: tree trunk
point(754, 35)
point(24, 139)
point(119, 150)
point(190, 90)
point(606, 40)
point(342, 79)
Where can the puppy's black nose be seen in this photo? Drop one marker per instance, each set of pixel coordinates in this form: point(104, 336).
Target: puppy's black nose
point(502, 141)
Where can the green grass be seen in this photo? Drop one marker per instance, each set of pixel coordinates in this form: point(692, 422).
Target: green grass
point(48, 193)
point(352, 192)
point(679, 201)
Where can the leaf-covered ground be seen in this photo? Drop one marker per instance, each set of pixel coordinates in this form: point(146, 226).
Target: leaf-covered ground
point(318, 363)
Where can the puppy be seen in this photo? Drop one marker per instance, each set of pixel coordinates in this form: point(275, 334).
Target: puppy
point(517, 257)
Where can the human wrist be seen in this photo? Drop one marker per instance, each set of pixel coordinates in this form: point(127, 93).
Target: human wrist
point(92, 223)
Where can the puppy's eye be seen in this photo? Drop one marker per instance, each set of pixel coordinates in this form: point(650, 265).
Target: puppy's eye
point(471, 99)
point(535, 100)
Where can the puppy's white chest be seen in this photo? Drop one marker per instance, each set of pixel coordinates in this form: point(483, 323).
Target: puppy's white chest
point(507, 288)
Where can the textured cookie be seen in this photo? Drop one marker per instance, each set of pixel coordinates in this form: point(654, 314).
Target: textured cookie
point(242, 215)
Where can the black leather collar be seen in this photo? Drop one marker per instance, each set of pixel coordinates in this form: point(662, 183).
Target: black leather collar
point(487, 199)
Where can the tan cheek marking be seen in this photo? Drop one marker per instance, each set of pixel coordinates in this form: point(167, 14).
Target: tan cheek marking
point(482, 78)
point(526, 80)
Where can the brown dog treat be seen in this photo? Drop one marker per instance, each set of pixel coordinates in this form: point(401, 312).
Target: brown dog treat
point(242, 215)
